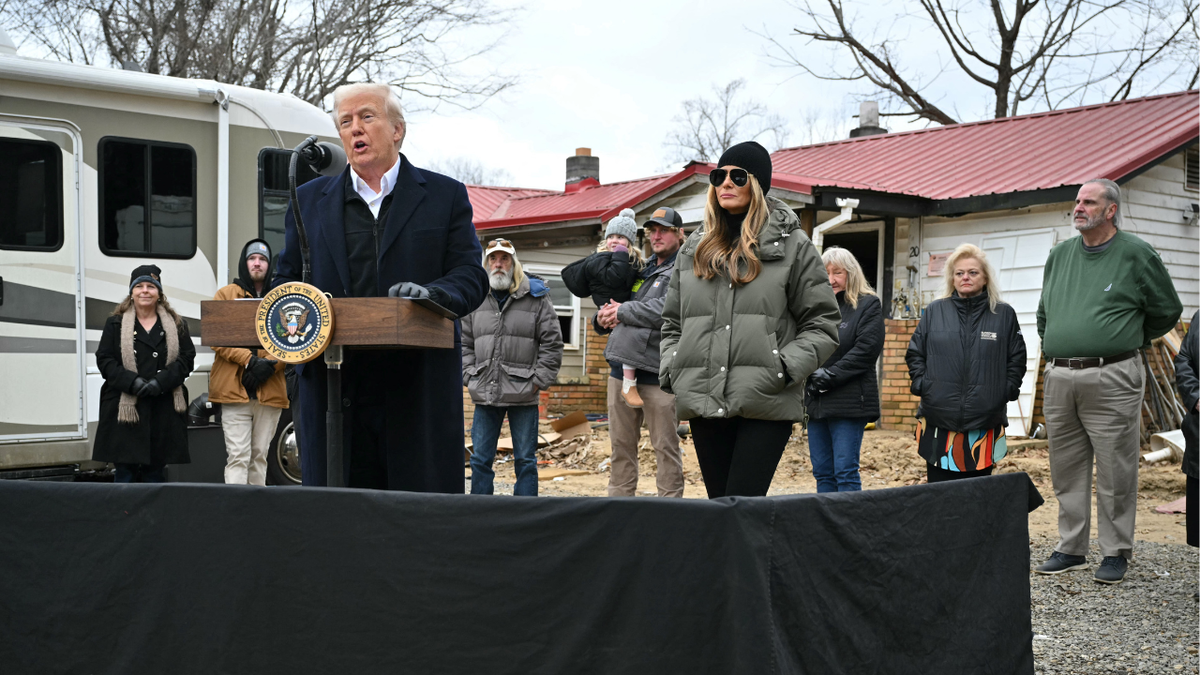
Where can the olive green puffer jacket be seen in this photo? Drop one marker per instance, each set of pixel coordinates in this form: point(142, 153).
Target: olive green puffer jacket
point(747, 351)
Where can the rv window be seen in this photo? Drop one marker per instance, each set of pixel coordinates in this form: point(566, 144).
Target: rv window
point(147, 198)
point(273, 196)
point(30, 195)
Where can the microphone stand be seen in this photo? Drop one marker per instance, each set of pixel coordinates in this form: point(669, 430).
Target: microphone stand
point(334, 452)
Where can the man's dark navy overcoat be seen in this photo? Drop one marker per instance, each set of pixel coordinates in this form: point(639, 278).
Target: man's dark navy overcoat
point(427, 238)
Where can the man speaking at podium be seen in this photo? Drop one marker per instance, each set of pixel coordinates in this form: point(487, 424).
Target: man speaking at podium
point(384, 226)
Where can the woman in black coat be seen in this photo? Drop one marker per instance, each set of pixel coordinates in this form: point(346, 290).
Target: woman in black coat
point(145, 354)
point(1187, 378)
point(842, 396)
point(966, 360)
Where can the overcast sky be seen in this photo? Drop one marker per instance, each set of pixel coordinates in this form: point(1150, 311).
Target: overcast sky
point(611, 76)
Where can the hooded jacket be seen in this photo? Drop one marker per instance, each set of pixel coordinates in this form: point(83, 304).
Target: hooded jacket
point(636, 338)
point(746, 351)
point(511, 353)
point(966, 362)
point(229, 364)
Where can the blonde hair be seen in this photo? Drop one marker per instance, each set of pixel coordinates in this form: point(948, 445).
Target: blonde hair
point(856, 281)
point(637, 257)
point(391, 103)
point(716, 255)
point(162, 300)
point(972, 251)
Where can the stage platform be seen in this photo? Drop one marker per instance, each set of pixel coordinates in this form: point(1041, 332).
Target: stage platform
point(186, 578)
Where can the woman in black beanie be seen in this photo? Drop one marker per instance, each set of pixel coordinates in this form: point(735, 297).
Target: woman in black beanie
point(749, 316)
point(145, 354)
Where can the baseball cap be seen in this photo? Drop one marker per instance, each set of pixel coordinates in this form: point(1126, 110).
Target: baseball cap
point(667, 217)
point(499, 245)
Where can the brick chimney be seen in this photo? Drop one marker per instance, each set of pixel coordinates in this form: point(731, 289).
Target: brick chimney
point(583, 170)
point(868, 120)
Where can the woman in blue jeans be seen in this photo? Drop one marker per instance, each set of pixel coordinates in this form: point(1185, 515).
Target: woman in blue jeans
point(843, 394)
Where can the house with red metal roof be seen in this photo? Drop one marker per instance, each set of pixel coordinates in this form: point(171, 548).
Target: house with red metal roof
point(902, 201)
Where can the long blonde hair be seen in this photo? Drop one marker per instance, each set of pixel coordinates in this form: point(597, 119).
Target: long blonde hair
point(716, 255)
point(162, 300)
point(856, 281)
point(636, 257)
point(972, 251)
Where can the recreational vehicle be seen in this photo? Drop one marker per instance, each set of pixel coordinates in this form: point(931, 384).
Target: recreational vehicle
point(101, 170)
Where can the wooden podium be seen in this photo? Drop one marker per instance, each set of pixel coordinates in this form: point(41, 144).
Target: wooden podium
point(358, 323)
point(390, 323)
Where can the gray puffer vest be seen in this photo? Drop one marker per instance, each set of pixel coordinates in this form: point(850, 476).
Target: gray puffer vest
point(512, 353)
point(746, 351)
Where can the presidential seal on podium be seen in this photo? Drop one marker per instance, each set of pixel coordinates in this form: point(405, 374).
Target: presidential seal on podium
point(294, 322)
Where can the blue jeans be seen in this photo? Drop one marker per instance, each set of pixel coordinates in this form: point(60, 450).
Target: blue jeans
point(139, 473)
point(485, 431)
point(833, 445)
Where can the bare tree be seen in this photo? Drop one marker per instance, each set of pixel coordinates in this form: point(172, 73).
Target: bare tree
point(707, 127)
point(1042, 54)
point(303, 47)
point(471, 172)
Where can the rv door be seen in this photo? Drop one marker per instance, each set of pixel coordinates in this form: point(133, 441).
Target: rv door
point(42, 348)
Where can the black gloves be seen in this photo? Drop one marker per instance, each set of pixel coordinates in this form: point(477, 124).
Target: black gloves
point(257, 372)
point(263, 369)
point(822, 379)
point(136, 387)
point(150, 388)
point(407, 289)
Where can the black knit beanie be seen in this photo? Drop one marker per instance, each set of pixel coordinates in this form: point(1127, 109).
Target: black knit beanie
point(753, 158)
point(142, 273)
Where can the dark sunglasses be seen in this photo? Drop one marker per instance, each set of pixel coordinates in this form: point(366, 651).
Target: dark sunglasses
point(739, 177)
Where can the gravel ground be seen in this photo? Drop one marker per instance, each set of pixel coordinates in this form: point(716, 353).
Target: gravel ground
point(1147, 624)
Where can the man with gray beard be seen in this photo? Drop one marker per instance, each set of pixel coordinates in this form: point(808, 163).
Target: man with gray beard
point(1105, 295)
point(512, 349)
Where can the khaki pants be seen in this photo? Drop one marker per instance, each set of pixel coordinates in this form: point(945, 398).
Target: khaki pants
point(624, 432)
point(249, 428)
point(1095, 412)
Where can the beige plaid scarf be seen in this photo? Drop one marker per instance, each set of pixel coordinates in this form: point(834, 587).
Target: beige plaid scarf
point(127, 411)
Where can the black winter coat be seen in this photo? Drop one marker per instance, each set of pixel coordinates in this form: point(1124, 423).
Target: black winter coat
point(1187, 379)
point(160, 435)
point(966, 363)
point(855, 390)
point(426, 237)
point(604, 275)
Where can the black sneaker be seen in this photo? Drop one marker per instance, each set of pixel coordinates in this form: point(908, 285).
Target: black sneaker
point(1112, 569)
point(1058, 563)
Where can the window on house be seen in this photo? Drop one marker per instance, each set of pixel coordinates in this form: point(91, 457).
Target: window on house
point(273, 195)
point(1192, 162)
point(147, 198)
point(30, 195)
point(565, 304)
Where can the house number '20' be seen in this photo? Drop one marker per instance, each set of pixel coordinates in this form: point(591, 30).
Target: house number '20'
point(914, 251)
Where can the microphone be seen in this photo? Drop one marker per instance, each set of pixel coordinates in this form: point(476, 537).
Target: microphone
point(327, 159)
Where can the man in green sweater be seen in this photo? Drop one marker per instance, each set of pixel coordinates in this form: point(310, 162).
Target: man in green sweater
point(1105, 295)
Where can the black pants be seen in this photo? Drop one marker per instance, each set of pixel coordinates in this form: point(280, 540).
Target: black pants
point(738, 456)
point(937, 474)
point(368, 447)
point(1193, 496)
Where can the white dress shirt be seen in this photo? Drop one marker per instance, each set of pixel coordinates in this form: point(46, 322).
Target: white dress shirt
point(375, 199)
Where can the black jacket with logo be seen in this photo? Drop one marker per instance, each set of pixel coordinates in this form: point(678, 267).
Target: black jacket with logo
point(966, 363)
point(855, 389)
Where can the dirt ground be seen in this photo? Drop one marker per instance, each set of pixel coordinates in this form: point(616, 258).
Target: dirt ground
point(888, 459)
